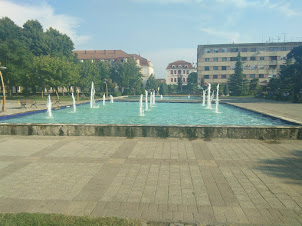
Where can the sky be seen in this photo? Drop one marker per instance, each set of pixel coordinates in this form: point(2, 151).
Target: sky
point(162, 31)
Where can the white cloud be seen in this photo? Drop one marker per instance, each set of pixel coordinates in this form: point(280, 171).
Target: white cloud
point(161, 58)
point(168, 1)
point(45, 14)
point(222, 35)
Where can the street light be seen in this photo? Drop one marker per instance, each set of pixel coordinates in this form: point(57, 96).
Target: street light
point(3, 88)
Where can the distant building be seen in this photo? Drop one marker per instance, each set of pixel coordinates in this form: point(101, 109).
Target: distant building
point(160, 80)
point(178, 69)
point(113, 56)
point(216, 63)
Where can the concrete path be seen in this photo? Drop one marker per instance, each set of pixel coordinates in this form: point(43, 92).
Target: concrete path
point(174, 180)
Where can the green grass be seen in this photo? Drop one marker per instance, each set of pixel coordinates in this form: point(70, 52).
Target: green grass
point(33, 219)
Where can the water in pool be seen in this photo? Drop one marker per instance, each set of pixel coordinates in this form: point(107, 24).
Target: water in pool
point(162, 114)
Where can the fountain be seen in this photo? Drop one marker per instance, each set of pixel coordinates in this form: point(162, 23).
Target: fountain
point(73, 103)
point(49, 104)
point(151, 101)
point(153, 98)
point(203, 98)
point(141, 109)
point(217, 100)
point(209, 106)
point(92, 94)
point(213, 95)
point(161, 97)
point(189, 96)
point(111, 99)
point(146, 100)
point(104, 99)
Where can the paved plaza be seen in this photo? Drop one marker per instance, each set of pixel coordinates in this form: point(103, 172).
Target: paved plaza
point(174, 180)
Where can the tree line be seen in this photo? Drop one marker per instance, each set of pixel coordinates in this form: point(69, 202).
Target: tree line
point(38, 59)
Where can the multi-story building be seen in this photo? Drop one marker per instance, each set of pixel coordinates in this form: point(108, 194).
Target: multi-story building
point(178, 69)
point(113, 56)
point(216, 63)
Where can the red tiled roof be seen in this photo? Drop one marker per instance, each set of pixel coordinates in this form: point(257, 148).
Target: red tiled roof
point(181, 63)
point(142, 61)
point(100, 54)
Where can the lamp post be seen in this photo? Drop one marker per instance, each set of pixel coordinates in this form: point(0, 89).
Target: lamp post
point(3, 88)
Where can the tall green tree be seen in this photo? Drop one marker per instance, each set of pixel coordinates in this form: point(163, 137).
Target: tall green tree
point(192, 82)
point(163, 89)
point(254, 86)
point(89, 72)
point(152, 83)
point(179, 83)
point(126, 75)
point(238, 84)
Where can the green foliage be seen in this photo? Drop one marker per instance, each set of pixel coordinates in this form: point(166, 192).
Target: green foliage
point(179, 83)
point(254, 86)
point(289, 83)
point(126, 75)
point(172, 89)
point(238, 84)
point(192, 82)
point(226, 89)
point(163, 89)
point(152, 84)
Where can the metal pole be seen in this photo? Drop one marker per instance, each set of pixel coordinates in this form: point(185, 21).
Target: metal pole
point(4, 97)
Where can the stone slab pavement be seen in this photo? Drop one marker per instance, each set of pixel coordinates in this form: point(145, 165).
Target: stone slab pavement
point(172, 180)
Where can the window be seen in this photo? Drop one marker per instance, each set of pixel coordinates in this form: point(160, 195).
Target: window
point(184, 79)
point(234, 50)
point(273, 48)
point(224, 50)
point(261, 67)
point(215, 59)
point(252, 67)
point(179, 72)
point(173, 66)
point(171, 72)
point(174, 71)
point(252, 76)
point(261, 75)
point(224, 59)
point(232, 67)
point(244, 50)
point(261, 58)
point(184, 71)
point(252, 58)
point(233, 58)
point(253, 49)
point(215, 76)
point(262, 49)
point(283, 58)
point(206, 59)
point(206, 68)
point(171, 79)
point(244, 67)
point(223, 76)
point(207, 51)
point(179, 66)
point(272, 76)
point(223, 68)
point(187, 71)
point(244, 76)
point(174, 79)
point(186, 66)
point(244, 58)
point(272, 66)
point(216, 51)
point(206, 77)
point(283, 48)
point(273, 58)
point(215, 68)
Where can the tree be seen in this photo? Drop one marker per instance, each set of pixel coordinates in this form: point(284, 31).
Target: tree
point(192, 82)
point(237, 82)
point(163, 89)
point(254, 86)
point(226, 89)
point(152, 83)
point(179, 83)
point(89, 72)
point(126, 75)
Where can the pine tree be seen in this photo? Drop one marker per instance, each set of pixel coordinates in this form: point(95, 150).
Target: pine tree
point(238, 84)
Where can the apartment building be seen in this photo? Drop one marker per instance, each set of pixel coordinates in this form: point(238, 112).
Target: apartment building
point(177, 69)
point(113, 56)
point(216, 63)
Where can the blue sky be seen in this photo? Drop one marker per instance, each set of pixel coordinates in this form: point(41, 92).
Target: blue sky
point(162, 30)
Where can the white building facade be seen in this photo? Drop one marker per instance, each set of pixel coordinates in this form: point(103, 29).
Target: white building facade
point(179, 69)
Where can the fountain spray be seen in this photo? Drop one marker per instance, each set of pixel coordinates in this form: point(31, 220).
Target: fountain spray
point(49, 104)
point(146, 100)
point(73, 103)
point(141, 109)
point(209, 106)
point(217, 100)
point(111, 99)
point(203, 98)
point(104, 99)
